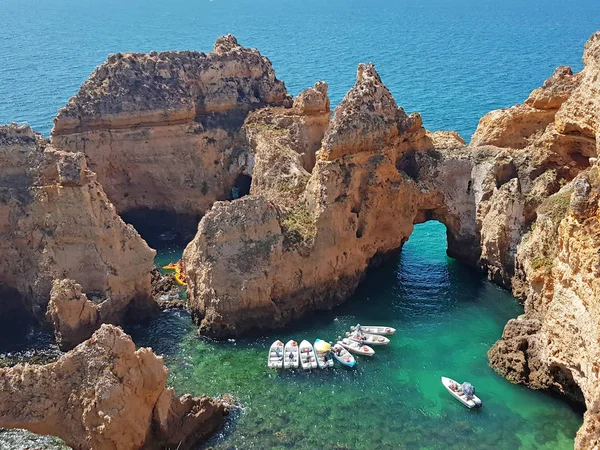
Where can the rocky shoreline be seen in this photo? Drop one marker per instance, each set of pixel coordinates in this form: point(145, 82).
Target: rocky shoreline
point(330, 196)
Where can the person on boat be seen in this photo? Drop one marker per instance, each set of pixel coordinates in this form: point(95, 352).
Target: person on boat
point(358, 329)
point(291, 356)
point(277, 352)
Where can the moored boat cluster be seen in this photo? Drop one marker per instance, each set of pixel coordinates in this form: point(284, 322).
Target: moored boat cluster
point(322, 354)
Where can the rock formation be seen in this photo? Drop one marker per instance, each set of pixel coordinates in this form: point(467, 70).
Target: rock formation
point(304, 240)
point(163, 130)
point(555, 344)
point(105, 395)
point(330, 197)
point(56, 223)
point(520, 202)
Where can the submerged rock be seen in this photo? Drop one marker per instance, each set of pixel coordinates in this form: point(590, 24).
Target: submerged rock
point(165, 288)
point(105, 395)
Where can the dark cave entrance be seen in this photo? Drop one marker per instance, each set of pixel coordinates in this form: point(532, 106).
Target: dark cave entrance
point(241, 186)
point(163, 229)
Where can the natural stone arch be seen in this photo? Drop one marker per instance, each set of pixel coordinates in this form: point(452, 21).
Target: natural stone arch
point(304, 241)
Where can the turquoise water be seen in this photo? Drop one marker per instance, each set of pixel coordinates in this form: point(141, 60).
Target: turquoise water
point(447, 318)
point(453, 61)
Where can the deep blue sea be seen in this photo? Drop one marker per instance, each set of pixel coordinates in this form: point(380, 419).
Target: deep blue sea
point(452, 61)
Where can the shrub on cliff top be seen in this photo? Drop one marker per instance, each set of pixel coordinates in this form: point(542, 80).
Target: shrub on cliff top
point(297, 225)
point(556, 206)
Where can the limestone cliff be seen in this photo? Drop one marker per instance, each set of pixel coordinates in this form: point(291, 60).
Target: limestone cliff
point(56, 222)
point(163, 130)
point(105, 395)
point(304, 239)
point(520, 202)
point(555, 344)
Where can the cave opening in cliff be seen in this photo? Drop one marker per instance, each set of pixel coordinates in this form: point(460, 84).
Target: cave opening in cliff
point(163, 229)
point(241, 186)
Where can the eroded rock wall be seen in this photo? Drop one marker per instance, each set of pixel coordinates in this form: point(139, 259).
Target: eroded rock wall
point(56, 222)
point(304, 239)
point(163, 130)
point(105, 395)
point(555, 343)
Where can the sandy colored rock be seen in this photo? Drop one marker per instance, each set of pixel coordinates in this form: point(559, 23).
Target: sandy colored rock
point(163, 130)
point(313, 100)
point(370, 104)
point(105, 395)
point(555, 90)
point(55, 223)
point(304, 240)
point(73, 316)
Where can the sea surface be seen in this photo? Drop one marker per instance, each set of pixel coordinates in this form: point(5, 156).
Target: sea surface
point(452, 61)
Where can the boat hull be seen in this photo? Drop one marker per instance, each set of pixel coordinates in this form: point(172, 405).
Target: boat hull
point(474, 402)
point(274, 361)
point(371, 339)
point(379, 330)
point(308, 359)
point(294, 362)
point(361, 350)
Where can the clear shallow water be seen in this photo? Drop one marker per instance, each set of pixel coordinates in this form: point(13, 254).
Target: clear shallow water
point(447, 318)
point(451, 61)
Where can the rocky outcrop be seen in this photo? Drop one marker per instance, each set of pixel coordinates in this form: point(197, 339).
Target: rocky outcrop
point(555, 344)
point(105, 395)
point(55, 223)
point(163, 130)
point(304, 240)
point(520, 202)
point(73, 316)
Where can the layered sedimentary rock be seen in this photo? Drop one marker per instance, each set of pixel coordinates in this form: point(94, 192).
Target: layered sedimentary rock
point(105, 395)
point(56, 222)
point(163, 130)
point(304, 240)
point(520, 202)
point(555, 344)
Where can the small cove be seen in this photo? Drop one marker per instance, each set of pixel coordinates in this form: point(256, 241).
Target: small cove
point(447, 318)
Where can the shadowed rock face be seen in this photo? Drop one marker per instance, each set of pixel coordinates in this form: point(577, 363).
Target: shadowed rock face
point(56, 222)
point(163, 130)
point(105, 395)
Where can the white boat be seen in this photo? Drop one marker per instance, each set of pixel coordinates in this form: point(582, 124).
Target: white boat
point(275, 360)
point(376, 329)
point(322, 351)
point(456, 391)
point(356, 348)
point(308, 360)
point(291, 358)
point(343, 356)
point(371, 339)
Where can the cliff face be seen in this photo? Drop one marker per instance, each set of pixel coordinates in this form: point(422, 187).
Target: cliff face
point(56, 222)
point(105, 395)
point(304, 239)
point(555, 344)
point(520, 202)
point(163, 130)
